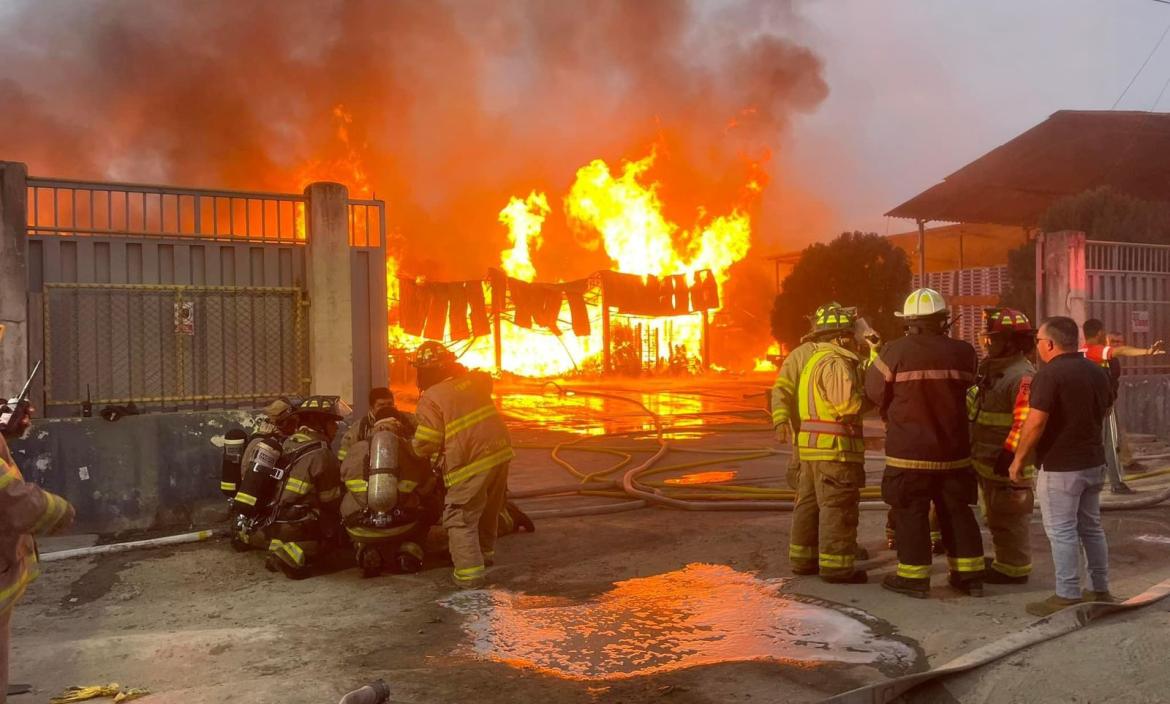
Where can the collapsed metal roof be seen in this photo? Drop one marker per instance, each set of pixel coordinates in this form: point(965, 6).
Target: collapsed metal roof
point(1070, 152)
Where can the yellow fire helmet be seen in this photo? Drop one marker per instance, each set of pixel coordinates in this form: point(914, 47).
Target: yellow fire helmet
point(923, 303)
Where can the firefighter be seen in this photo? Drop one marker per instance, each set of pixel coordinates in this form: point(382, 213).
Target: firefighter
point(381, 405)
point(276, 422)
point(785, 418)
point(829, 401)
point(306, 520)
point(999, 395)
point(397, 539)
point(458, 422)
point(25, 510)
point(919, 382)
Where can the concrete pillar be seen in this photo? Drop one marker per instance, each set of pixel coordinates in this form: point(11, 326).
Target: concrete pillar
point(13, 276)
point(331, 361)
point(1064, 283)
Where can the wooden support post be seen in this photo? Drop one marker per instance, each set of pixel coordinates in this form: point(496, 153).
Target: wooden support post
point(706, 341)
point(606, 359)
point(922, 280)
point(498, 327)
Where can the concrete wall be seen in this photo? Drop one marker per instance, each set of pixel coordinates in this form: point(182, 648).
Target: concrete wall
point(1064, 288)
point(13, 276)
point(331, 353)
point(155, 471)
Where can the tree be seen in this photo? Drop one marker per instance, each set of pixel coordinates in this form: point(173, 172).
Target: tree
point(855, 269)
point(1102, 214)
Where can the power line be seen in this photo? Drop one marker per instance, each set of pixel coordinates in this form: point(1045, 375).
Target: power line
point(1144, 63)
point(1164, 85)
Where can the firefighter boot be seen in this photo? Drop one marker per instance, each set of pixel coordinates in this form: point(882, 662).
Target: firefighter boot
point(994, 576)
point(856, 577)
point(408, 563)
point(969, 586)
point(370, 560)
point(917, 588)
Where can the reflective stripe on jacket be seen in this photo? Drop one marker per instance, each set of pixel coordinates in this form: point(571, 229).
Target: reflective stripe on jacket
point(458, 418)
point(919, 382)
point(25, 510)
point(830, 402)
point(315, 478)
point(991, 406)
point(784, 390)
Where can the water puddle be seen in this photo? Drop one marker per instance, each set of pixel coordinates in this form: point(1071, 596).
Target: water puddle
point(1158, 539)
point(699, 615)
point(716, 477)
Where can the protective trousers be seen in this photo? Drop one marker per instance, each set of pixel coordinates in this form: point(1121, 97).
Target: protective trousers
point(471, 518)
point(911, 493)
point(824, 520)
point(295, 543)
point(1008, 509)
point(935, 534)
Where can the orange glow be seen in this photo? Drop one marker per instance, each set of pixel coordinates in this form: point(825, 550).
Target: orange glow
point(703, 478)
point(699, 615)
point(766, 363)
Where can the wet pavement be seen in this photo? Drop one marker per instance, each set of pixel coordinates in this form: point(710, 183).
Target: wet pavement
point(699, 615)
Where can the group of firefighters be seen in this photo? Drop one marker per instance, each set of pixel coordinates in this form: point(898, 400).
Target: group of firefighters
point(952, 427)
point(396, 475)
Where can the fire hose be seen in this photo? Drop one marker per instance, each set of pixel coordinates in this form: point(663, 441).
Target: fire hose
point(718, 497)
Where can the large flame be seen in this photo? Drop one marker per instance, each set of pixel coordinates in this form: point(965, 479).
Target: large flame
point(625, 214)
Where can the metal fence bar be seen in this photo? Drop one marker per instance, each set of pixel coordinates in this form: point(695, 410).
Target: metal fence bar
point(136, 203)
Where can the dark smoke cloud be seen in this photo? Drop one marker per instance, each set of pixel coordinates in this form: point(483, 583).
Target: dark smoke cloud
point(455, 105)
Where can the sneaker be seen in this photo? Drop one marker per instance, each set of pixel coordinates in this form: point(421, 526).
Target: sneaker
point(851, 578)
point(917, 588)
point(805, 571)
point(970, 587)
point(1050, 605)
point(994, 576)
point(1122, 488)
point(1103, 597)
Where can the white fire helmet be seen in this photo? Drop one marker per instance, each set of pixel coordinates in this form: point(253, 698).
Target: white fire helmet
point(923, 303)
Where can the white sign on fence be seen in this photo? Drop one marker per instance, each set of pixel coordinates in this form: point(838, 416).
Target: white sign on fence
point(1139, 321)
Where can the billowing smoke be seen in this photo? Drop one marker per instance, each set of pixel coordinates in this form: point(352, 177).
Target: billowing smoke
point(448, 107)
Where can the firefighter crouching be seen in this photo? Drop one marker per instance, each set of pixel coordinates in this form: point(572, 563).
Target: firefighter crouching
point(829, 400)
point(1002, 387)
point(290, 494)
point(239, 449)
point(458, 421)
point(919, 382)
point(381, 405)
point(391, 498)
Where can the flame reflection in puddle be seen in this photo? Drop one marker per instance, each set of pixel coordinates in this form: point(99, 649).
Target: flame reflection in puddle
point(714, 477)
point(699, 615)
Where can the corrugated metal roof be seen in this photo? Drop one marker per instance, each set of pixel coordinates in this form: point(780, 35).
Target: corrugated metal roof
point(1070, 152)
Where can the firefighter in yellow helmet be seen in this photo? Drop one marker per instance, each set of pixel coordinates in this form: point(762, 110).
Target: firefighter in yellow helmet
point(459, 426)
point(785, 419)
point(995, 403)
point(25, 510)
point(829, 401)
point(919, 382)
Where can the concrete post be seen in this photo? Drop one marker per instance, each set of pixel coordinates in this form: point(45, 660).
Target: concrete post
point(13, 276)
point(331, 362)
point(1064, 287)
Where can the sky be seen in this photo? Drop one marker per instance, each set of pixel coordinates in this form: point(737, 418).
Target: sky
point(919, 88)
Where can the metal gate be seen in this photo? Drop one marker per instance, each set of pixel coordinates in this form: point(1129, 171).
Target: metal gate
point(1128, 289)
point(165, 347)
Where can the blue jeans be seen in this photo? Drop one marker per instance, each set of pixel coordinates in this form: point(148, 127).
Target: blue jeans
point(1070, 503)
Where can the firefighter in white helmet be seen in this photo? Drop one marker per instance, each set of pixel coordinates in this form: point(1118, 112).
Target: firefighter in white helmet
point(459, 426)
point(919, 382)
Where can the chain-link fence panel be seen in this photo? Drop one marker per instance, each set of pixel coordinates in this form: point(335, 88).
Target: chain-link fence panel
point(170, 347)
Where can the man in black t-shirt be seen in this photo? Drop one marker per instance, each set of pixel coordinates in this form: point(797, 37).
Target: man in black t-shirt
point(1070, 399)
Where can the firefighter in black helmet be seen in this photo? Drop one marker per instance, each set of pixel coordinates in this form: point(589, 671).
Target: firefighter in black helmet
point(919, 382)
